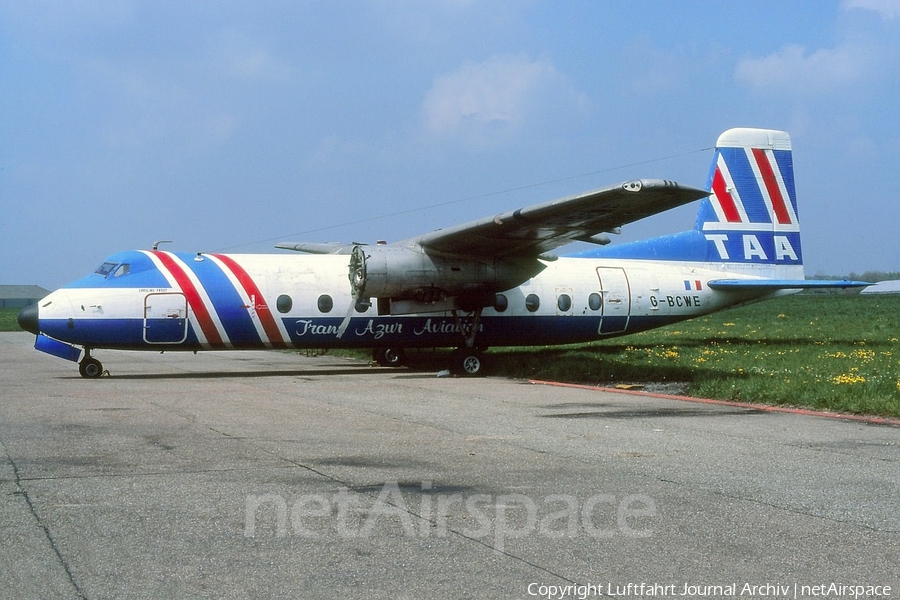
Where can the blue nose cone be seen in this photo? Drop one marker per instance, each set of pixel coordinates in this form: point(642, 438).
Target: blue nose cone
point(28, 319)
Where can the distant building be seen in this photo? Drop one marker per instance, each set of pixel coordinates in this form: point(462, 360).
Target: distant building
point(883, 287)
point(20, 296)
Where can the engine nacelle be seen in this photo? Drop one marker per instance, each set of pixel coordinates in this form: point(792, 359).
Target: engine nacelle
point(419, 281)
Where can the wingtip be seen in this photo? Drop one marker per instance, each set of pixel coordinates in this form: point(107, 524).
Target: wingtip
point(645, 184)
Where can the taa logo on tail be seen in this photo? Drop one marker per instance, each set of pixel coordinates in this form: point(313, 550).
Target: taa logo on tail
point(756, 247)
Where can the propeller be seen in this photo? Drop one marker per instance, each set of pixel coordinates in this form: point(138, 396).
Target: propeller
point(357, 285)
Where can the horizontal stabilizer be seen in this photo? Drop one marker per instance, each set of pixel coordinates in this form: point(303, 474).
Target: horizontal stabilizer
point(783, 284)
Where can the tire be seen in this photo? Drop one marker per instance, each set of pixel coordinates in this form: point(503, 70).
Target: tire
point(90, 368)
point(390, 357)
point(468, 363)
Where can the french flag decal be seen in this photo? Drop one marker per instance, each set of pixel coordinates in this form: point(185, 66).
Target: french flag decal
point(692, 285)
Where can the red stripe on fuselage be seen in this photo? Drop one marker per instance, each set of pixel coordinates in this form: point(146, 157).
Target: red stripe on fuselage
point(765, 169)
point(204, 319)
point(729, 209)
point(260, 305)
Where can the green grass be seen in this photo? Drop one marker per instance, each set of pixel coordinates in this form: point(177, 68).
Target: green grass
point(829, 352)
point(8, 320)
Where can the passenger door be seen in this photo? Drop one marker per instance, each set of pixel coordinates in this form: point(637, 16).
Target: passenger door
point(616, 294)
point(165, 318)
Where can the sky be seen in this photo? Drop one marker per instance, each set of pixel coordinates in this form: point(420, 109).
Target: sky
point(229, 126)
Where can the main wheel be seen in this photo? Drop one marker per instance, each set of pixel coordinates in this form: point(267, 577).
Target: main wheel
point(389, 357)
point(90, 368)
point(468, 362)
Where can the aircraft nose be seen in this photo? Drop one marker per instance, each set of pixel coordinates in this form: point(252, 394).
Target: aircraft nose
point(28, 319)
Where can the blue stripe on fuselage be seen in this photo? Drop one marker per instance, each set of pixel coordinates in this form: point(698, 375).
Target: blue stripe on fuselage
point(442, 331)
point(97, 333)
point(369, 332)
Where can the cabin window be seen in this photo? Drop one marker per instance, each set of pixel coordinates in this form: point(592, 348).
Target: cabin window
point(595, 301)
point(363, 304)
point(501, 303)
point(532, 302)
point(284, 303)
point(564, 302)
point(325, 303)
point(106, 268)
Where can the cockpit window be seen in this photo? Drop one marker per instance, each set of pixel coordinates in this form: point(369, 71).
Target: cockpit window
point(106, 268)
point(111, 269)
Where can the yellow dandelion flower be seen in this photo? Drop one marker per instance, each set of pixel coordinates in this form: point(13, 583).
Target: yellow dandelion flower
point(848, 379)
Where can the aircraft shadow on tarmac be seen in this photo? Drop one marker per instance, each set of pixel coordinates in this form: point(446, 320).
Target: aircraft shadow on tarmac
point(657, 412)
point(752, 342)
point(310, 373)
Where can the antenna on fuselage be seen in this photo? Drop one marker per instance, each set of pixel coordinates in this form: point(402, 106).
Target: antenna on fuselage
point(158, 242)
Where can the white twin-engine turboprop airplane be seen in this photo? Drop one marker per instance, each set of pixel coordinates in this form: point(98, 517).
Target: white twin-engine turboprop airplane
point(486, 283)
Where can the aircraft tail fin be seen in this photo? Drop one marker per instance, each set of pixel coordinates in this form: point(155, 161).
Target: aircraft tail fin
point(750, 216)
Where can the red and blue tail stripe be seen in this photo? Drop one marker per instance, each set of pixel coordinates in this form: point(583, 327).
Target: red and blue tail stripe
point(752, 190)
point(777, 196)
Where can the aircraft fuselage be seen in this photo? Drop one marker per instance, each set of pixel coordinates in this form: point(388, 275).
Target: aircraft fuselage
point(168, 301)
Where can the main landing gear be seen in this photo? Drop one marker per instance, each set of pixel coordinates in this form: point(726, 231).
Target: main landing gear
point(389, 357)
point(90, 367)
point(468, 360)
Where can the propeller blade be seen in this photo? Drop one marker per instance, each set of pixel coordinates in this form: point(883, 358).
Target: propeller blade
point(346, 322)
point(358, 278)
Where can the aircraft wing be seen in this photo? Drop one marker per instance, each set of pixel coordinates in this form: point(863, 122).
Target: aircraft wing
point(536, 229)
point(317, 248)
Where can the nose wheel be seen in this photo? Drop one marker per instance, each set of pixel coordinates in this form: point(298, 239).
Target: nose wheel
point(90, 367)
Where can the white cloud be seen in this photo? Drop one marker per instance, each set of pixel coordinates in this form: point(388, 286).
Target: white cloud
point(888, 9)
point(490, 101)
point(795, 71)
